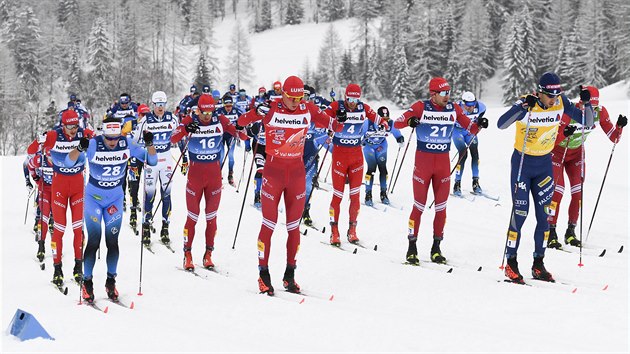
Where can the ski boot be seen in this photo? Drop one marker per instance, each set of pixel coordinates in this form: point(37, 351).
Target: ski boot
point(164, 234)
point(316, 181)
point(110, 288)
point(87, 290)
point(188, 261)
point(207, 258)
point(334, 235)
point(368, 198)
point(457, 189)
point(51, 222)
point(552, 241)
point(306, 216)
point(58, 276)
point(412, 252)
point(476, 187)
point(124, 205)
point(36, 227)
point(384, 198)
point(264, 281)
point(511, 271)
point(570, 238)
point(257, 203)
point(539, 272)
point(288, 280)
point(41, 250)
point(436, 254)
point(352, 233)
point(231, 179)
point(146, 234)
point(133, 219)
point(77, 272)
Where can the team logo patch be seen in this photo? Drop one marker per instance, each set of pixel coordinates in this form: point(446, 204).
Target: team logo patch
point(544, 181)
point(112, 210)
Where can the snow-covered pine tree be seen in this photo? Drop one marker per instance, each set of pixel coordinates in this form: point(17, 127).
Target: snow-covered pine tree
point(364, 12)
point(590, 67)
point(422, 56)
point(294, 13)
point(519, 56)
point(402, 92)
point(75, 71)
point(99, 61)
point(332, 10)
point(327, 74)
point(265, 16)
point(28, 54)
point(202, 73)
point(240, 57)
point(346, 74)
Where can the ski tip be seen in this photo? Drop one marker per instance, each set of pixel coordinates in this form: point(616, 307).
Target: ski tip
point(355, 251)
point(450, 270)
point(106, 309)
point(603, 253)
point(332, 297)
point(305, 232)
point(501, 267)
point(605, 288)
point(479, 269)
point(324, 231)
point(375, 247)
point(302, 301)
point(574, 291)
point(42, 266)
point(620, 249)
point(132, 305)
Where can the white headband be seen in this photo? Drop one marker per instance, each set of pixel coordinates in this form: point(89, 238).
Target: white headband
point(112, 129)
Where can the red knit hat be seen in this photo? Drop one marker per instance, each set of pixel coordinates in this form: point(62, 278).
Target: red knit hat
point(277, 85)
point(293, 86)
point(143, 109)
point(262, 89)
point(69, 117)
point(594, 95)
point(353, 90)
point(206, 103)
point(438, 84)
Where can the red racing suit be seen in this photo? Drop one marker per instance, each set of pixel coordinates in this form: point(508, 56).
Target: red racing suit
point(285, 133)
point(42, 168)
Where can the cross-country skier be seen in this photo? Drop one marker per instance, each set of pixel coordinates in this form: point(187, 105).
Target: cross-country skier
point(161, 123)
point(205, 131)
point(286, 123)
point(347, 158)
point(66, 145)
point(231, 113)
point(434, 120)
point(257, 131)
point(538, 119)
point(107, 155)
point(276, 92)
point(182, 108)
point(375, 152)
point(567, 157)
point(232, 92)
point(242, 101)
point(474, 109)
point(40, 169)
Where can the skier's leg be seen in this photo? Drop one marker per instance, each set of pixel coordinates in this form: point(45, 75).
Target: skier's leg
point(194, 191)
point(423, 169)
point(113, 223)
point(520, 203)
point(270, 197)
point(294, 199)
point(212, 194)
point(441, 182)
point(339, 174)
point(94, 213)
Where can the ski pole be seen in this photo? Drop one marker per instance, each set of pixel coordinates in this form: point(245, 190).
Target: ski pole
point(582, 190)
point(308, 200)
point(518, 179)
point(227, 152)
point(245, 153)
point(601, 189)
point(28, 201)
point(327, 173)
point(461, 156)
point(402, 160)
point(249, 177)
point(144, 193)
point(396, 161)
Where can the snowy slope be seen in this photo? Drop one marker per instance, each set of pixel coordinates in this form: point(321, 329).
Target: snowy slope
point(377, 304)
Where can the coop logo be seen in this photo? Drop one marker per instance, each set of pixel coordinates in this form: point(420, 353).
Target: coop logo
point(69, 170)
point(440, 147)
point(108, 184)
point(349, 141)
point(161, 146)
point(207, 157)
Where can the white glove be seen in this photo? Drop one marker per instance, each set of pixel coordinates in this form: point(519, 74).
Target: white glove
point(41, 138)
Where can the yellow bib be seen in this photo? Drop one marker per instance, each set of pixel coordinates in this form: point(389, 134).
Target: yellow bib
point(543, 129)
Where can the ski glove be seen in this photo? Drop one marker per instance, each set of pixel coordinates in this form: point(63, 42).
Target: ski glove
point(248, 146)
point(622, 121)
point(569, 130)
point(147, 136)
point(341, 116)
point(184, 168)
point(192, 127)
point(29, 185)
point(413, 122)
point(585, 95)
point(482, 122)
point(531, 100)
point(263, 109)
point(41, 138)
point(400, 139)
point(83, 144)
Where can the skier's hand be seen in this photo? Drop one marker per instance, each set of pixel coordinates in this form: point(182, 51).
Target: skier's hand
point(29, 185)
point(35, 178)
point(413, 122)
point(41, 138)
point(622, 121)
point(248, 146)
point(530, 101)
point(482, 122)
point(585, 95)
point(569, 130)
point(83, 144)
point(341, 116)
point(263, 109)
point(184, 168)
point(400, 140)
point(147, 136)
point(332, 94)
point(192, 127)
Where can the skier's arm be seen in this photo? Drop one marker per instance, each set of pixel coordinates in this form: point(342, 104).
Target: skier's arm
point(249, 117)
point(415, 110)
point(77, 156)
point(148, 155)
point(180, 132)
point(564, 122)
point(323, 120)
point(517, 112)
point(576, 113)
point(612, 131)
point(464, 121)
point(231, 128)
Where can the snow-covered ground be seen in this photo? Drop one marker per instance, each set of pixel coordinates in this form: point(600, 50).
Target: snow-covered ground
point(368, 301)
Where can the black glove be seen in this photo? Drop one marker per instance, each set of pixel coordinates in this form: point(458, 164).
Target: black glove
point(35, 178)
point(400, 139)
point(413, 122)
point(263, 109)
point(83, 144)
point(341, 116)
point(622, 121)
point(147, 136)
point(29, 185)
point(239, 127)
point(192, 127)
point(482, 122)
point(531, 100)
point(569, 130)
point(585, 95)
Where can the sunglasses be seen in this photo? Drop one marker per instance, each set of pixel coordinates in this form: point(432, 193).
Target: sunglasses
point(160, 104)
point(352, 99)
point(112, 138)
point(551, 95)
point(470, 103)
point(205, 113)
point(72, 126)
point(294, 98)
point(443, 93)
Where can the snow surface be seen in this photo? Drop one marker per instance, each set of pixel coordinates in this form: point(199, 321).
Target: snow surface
point(378, 304)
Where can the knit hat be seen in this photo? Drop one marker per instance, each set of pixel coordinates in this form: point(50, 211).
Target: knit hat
point(293, 86)
point(206, 103)
point(69, 117)
point(549, 83)
point(438, 84)
point(353, 90)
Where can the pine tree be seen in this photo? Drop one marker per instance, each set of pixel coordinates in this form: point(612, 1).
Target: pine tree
point(265, 16)
point(332, 10)
point(75, 72)
point(295, 13)
point(202, 74)
point(519, 56)
point(346, 74)
point(327, 74)
point(28, 54)
point(240, 57)
point(402, 80)
point(100, 62)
